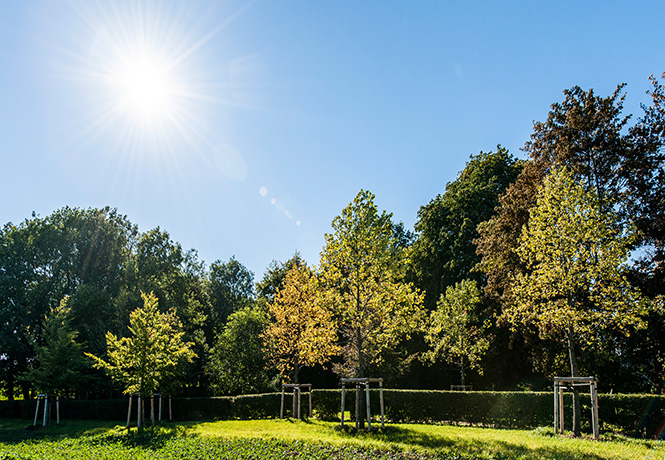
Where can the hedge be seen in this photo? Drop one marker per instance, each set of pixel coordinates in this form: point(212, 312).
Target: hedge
point(636, 415)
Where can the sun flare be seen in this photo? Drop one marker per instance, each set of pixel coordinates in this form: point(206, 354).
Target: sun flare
point(144, 88)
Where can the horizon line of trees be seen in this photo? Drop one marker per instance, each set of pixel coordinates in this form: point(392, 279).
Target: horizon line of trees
point(519, 270)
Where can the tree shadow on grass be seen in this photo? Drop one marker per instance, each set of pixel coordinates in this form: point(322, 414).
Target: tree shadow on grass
point(402, 437)
point(95, 433)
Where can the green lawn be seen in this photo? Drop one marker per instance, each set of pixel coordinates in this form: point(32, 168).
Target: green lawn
point(305, 440)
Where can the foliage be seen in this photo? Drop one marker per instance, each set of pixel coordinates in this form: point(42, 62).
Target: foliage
point(61, 363)
point(237, 362)
point(70, 252)
point(152, 356)
point(454, 331)
point(274, 277)
point(444, 252)
point(361, 267)
point(302, 332)
point(574, 250)
point(575, 254)
point(230, 287)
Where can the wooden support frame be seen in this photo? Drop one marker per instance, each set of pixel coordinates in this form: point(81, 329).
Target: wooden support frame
point(358, 382)
point(45, 418)
point(562, 383)
point(297, 391)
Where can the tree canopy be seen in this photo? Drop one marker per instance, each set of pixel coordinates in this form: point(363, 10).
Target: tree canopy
point(361, 270)
point(302, 331)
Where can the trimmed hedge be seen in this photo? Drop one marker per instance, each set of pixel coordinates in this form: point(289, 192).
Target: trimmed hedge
point(636, 415)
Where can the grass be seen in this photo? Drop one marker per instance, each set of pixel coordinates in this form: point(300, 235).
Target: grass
point(306, 440)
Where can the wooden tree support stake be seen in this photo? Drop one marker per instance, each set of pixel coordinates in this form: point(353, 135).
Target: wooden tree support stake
point(562, 383)
point(358, 382)
point(297, 391)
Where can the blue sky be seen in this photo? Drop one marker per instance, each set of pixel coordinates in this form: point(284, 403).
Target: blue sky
point(258, 122)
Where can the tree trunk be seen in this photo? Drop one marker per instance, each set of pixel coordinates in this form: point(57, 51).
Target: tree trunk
point(577, 410)
point(362, 405)
point(461, 369)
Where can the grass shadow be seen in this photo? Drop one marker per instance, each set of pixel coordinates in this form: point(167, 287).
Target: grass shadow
point(97, 432)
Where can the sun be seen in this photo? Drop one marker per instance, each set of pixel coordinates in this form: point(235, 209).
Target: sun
point(145, 88)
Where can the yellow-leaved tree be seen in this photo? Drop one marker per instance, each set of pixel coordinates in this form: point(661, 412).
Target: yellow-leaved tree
point(302, 331)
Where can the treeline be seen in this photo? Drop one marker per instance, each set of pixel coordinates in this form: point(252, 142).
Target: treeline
point(518, 271)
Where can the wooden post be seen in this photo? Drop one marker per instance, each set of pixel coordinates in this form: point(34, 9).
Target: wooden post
point(369, 412)
point(561, 411)
point(45, 419)
point(594, 410)
point(57, 410)
point(138, 412)
point(129, 410)
point(357, 406)
point(342, 416)
point(37, 409)
point(160, 406)
point(310, 401)
point(381, 402)
point(556, 407)
point(298, 404)
point(152, 410)
point(281, 405)
point(170, 412)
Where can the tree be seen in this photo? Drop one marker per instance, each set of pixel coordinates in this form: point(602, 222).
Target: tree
point(455, 332)
point(61, 364)
point(575, 286)
point(274, 277)
point(230, 286)
point(237, 363)
point(444, 252)
point(80, 253)
point(152, 355)
point(645, 193)
point(302, 332)
point(583, 133)
point(360, 269)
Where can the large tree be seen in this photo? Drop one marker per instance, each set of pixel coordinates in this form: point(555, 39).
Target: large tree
point(575, 251)
point(361, 269)
point(75, 252)
point(302, 331)
point(586, 134)
point(444, 252)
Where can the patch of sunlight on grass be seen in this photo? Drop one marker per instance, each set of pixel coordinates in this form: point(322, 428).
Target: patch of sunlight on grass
point(438, 438)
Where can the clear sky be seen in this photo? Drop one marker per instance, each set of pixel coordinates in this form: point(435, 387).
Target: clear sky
point(244, 128)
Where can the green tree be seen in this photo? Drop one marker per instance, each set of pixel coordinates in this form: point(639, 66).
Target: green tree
point(152, 355)
point(75, 252)
point(444, 252)
point(61, 364)
point(274, 277)
point(361, 268)
point(455, 333)
point(230, 287)
point(585, 134)
point(575, 287)
point(302, 332)
point(237, 362)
